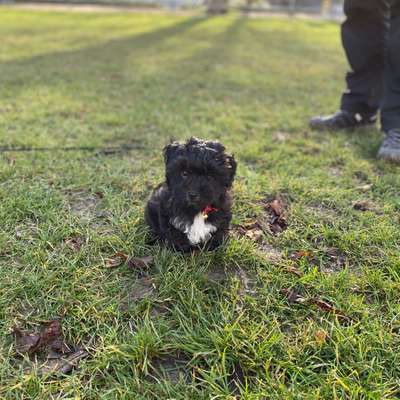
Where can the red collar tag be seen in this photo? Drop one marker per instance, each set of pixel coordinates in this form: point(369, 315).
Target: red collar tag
point(209, 209)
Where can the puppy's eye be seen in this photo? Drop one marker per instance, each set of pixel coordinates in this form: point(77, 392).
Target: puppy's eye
point(184, 174)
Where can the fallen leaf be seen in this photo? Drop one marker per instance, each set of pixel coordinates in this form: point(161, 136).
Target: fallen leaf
point(323, 305)
point(293, 296)
point(251, 224)
point(365, 188)
point(275, 209)
point(362, 205)
point(280, 136)
point(294, 270)
point(63, 364)
point(47, 347)
point(140, 262)
point(327, 307)
point(276, 206)
point(320, 337)
point(118, 259)
point(74, 243)
point(250, 229)
point(25, 341)
point(238, 230)
point(275, 223)
point(301, 254)
point(254, 234)
point(32, 342)
point(51, 332)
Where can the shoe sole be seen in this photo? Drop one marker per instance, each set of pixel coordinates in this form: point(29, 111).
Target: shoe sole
point(349, 129)
point(387, 155)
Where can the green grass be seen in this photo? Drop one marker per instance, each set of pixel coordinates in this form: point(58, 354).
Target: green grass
point(112, 79)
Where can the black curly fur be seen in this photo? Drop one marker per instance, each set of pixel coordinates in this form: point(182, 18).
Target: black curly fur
point(198, 173)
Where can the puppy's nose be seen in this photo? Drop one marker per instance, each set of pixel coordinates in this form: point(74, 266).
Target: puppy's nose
point(193, 196)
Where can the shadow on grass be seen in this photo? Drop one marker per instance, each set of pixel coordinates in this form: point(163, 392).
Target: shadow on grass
point(83, 63)
point(105, 62)
point(194, 75)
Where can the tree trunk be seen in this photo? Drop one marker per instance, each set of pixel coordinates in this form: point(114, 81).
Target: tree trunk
point(326, 8)
point(217, 6)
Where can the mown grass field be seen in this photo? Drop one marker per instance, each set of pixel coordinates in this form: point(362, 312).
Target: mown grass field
point(245, 322)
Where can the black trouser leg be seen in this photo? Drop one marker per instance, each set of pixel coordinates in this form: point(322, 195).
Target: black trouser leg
point(390, 111)
point(363, 36)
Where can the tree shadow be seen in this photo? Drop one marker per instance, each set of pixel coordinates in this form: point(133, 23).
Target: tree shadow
point(125, 69)
point(87, 63)
point(128, 68)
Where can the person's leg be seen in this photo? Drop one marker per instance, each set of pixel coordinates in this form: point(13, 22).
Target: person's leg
point(363, 36)
point(390, 112)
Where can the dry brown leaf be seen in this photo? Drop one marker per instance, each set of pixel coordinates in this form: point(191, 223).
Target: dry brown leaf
point(32, 342)
point(74, 243)
point(365, 188)
point(118, 259)
point(62, 364)
point(327, 307)
point(254, 234)
point(323, 305)
point(320, 337)
point(276, 206)
point(363, 205)
point(251, 224)
point(293, 270)
point(280, 136)
point(293, 296)
point(301, 254)
point(51, 332)
point(25, 341)
point(275, 209)
point(47, 347)
point(140, 262)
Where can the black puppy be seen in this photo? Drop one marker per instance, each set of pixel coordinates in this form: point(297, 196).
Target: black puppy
point(192, 208)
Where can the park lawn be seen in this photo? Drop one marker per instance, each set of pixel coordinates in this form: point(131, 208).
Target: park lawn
point(312, 313)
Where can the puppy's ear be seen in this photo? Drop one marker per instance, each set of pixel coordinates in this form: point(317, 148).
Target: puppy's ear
point(193, 141)
point(169, 151)
point(215, 145)
point(230, 165)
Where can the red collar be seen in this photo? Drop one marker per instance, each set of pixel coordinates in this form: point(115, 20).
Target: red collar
point(209, 209)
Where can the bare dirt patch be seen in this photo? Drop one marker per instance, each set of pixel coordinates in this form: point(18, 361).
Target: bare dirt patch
point(142, 288)
point(336, 261)
point(83, 204)
point(247, 282)
point(270, 253)
point(322, 212)
point(174, 369)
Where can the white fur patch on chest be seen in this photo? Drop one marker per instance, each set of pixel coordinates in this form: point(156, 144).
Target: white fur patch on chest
point(199, 231)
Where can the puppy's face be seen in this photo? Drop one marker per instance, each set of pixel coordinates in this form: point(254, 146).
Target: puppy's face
point(198, 172)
